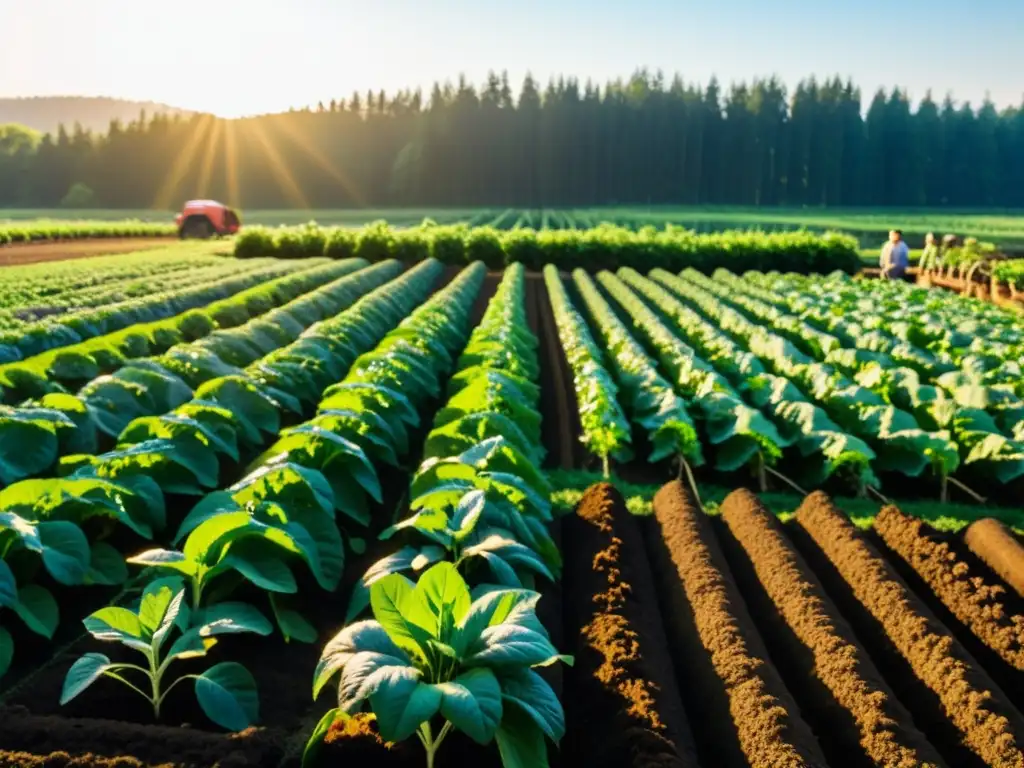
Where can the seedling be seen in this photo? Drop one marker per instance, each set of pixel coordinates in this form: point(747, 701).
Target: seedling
point(226, 691)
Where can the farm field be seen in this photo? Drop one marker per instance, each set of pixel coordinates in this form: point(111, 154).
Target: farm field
point(870, 226)
point(652, 516)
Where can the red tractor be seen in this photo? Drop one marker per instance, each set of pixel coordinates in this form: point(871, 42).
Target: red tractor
point(201, 219)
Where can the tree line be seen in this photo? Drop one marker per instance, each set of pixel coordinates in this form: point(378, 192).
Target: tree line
point(641, 140)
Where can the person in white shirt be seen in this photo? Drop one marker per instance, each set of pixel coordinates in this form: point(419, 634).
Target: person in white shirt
point(895, 256)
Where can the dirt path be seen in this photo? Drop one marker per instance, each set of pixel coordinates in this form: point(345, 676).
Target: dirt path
point(561, 420)
point(62, 250)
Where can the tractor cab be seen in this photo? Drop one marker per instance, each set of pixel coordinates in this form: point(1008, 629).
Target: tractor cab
point(201, 219)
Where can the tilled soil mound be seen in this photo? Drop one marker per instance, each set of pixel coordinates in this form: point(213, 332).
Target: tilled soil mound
point(978, 604)
point(622, 706)
point(995, 544)
point(850, 690)
point(972, 702)
point(765, 720)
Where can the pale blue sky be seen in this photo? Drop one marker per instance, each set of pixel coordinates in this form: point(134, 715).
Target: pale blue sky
point(235, 57)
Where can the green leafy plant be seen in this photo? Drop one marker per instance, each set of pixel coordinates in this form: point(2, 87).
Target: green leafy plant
point(226, 691)
point(436, 658)
point(606, 432)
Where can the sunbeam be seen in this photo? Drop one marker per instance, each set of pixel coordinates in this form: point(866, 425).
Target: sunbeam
point(164, 196)
point(213, 145)
point(231, 163)
point(309, 149)
point(278, 167)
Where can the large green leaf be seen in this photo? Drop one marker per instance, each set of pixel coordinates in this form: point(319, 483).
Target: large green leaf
point(535, 697)
point(243, 397)
point(400, 612)
point(362, 637)
point(38, 609)
point(520, 740)
point(106, 565)
point(8, 586)
point(120, 624)
point(83, 673)
point(26, 448)
point(401, 707)
point(65, 551)
point(260, 561)
point(294, 626)
point(472, 703)
point(227, 694)
point(443, 591)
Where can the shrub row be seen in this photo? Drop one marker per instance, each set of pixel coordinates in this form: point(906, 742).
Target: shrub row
point(603, 247)
point(45, 229)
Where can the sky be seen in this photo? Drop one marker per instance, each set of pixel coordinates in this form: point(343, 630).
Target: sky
point(243, 57)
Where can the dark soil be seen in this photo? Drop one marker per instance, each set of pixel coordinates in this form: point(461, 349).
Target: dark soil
point(560, 424)
point(991, 541)
point(747, 716)
point(33, 741)
point(968, 698)
point(623, 707)
point(855, 714)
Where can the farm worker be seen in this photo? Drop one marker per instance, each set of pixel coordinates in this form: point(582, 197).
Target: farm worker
point(895, 256)
point(930, 254)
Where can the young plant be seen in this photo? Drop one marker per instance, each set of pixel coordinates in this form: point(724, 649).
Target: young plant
point(253, 531)
point(477, 531)
point(226, 691)
point(434, 659)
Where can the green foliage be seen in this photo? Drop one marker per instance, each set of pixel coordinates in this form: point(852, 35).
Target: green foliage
point(606, 432)
point(649, 398)
point(1010, 272)
point(603, 247)
point(226, 691)
point(41, 229)
point(436, 652)
point(929, 380)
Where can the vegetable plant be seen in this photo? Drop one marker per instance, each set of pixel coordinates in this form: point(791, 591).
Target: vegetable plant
point(437, 658)
point(226, 691)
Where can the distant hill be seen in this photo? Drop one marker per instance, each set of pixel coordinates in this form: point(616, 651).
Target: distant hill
point(46, 113)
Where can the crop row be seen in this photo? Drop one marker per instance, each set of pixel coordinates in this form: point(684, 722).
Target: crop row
point(75, 327)
point(28, 293)
point(649, 399)
point(915, 363)
point(602, 247)
point(42, 229)
point(181, 453)
point(606, 432)
point(973, 335)
point(984, 450)
point(452, 657)
point(67, 368)
point(739, 435)
point(855, 425)
point(61, 423)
